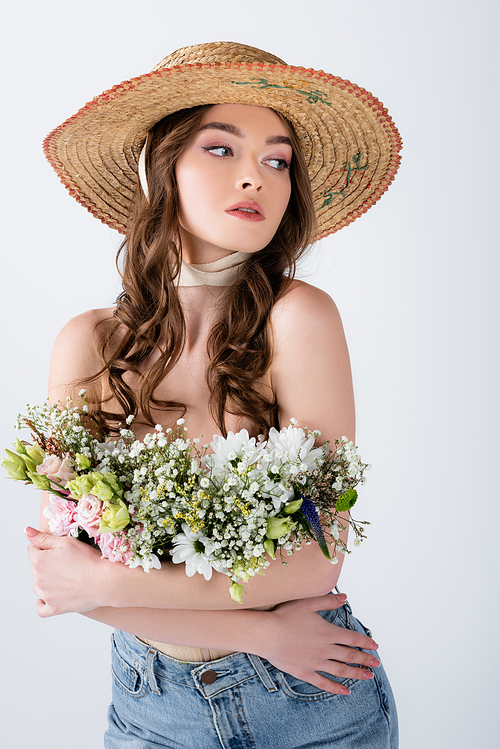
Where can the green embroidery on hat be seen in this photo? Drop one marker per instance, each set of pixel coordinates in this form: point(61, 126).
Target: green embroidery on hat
point(312, 96)
point(350, 167)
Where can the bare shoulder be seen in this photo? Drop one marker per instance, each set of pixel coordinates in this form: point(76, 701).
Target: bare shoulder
point(305, 310)
point(310, 373)
point(83, 331)
point(75, 353)
point(86, 322)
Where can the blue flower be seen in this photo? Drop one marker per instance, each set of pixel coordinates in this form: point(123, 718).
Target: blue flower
point(312, 517)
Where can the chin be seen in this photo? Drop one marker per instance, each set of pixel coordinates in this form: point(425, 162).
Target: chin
point(248, 245)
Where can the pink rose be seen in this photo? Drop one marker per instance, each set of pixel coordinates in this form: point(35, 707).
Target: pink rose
point(62, 516)
point(56, 468)
point(89, 514)
point(115, 547)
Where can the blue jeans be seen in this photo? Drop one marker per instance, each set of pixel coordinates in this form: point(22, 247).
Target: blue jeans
point(162, 702)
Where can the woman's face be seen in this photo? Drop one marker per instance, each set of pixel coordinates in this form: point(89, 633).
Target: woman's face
point(234, 182)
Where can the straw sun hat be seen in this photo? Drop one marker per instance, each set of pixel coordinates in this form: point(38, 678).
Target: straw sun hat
point(350, 143)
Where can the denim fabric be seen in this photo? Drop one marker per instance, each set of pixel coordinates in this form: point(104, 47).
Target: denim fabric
point(161, 702)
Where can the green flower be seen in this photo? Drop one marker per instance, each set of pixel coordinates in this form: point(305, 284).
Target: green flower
point(21, 465)
point(20, 447)
point(269, 547)
point(346, 500)
point(239, 569)
point(114, 517)
point(292, 507)
point(15, 458)
point(15, 466)
point(39, 481)
point(80, 486)
point(36, 454)
point(103, 491)
point(82, 462)
point(278, 527)
point(106, 486)
point(30, 464)
point(236, 592)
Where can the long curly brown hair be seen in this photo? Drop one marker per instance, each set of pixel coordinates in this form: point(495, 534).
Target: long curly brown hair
point(149, 310)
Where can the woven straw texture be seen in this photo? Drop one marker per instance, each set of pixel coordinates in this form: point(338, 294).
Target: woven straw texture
point(350, 143)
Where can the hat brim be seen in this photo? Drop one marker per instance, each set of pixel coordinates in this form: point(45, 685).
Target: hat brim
point(350, 143)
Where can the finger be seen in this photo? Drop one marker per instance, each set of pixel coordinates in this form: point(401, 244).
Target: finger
point(31, 532)
point(321, 682)
point(329, 602)
point(43, 610)
point(41, 540)
point(349, 655)
point(352, 639)
point(38, 592)
point(345, 671)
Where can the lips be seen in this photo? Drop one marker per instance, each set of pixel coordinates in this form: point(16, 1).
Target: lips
point(248, 210)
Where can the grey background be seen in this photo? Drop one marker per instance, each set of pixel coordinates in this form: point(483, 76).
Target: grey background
point(416, 281)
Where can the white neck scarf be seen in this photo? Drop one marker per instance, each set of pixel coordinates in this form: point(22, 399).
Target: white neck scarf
point(222, 272)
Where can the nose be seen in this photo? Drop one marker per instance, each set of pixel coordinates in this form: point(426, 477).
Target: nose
point(249, 177)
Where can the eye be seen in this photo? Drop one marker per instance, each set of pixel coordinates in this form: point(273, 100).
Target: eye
point(278, 164)
point(219, 151)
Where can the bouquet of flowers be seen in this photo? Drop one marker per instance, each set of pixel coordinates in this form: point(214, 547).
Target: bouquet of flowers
point(230, 510)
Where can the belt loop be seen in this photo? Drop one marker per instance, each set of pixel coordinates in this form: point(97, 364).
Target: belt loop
point(262, 672)
point(151, 655)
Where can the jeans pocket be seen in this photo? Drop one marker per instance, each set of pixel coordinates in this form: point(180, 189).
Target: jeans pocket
point(303, 690)
point(130, 677)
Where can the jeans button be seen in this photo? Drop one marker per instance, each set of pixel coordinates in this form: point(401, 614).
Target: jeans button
point(208, 677)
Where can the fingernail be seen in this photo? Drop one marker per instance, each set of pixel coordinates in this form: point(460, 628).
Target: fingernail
point(375, 663)
point(367, 675)
point(374, 645)
point(30, 532)
point(344, 690)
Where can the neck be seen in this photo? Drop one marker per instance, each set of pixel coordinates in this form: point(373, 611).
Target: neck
point(222, 272)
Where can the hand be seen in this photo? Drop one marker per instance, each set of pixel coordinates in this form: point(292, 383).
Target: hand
point(66, 573)
point(302, 642)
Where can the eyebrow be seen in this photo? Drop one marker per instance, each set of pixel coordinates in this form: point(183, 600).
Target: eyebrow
point(227, 128)
point(279, 139)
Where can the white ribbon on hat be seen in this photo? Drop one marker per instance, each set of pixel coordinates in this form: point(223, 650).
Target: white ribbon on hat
point(142, 169)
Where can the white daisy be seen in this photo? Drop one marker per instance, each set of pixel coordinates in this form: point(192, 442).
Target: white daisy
point(239, 446)
point(292, 443)
point(193, 548)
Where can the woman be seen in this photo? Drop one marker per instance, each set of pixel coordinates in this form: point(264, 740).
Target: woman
point(227, 142)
